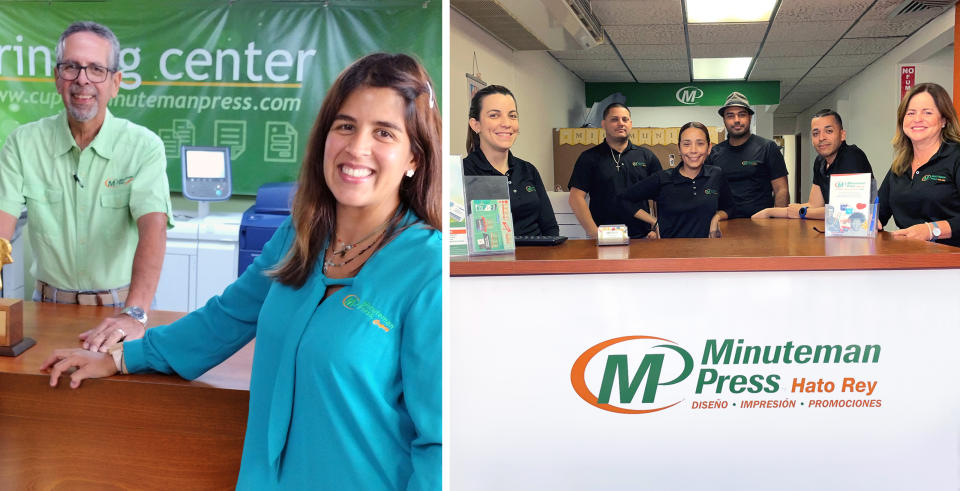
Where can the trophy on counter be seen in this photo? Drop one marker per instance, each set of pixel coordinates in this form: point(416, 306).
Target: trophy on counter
point(12, 342)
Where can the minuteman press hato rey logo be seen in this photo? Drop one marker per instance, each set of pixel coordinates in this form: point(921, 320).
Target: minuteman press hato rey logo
point(689, 95)
point(641, 374)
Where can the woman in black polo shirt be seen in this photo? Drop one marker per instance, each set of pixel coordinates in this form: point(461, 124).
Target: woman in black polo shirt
point(691, 198)
point(922, 189)
point(494, 125)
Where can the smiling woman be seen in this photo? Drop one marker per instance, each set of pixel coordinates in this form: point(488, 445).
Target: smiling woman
point(493, 128)
point(344, 301)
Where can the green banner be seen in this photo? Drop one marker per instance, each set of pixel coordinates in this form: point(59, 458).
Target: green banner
point(684, 94)
point(250, 75)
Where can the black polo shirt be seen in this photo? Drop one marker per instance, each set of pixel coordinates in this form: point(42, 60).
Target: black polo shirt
point(749, 168)
point(596, 174)
point(529, 202)
point(850, 160)
point(931, 194)
point(685, 206)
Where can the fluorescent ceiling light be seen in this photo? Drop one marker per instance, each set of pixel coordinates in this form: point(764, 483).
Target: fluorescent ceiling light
point(720, 68)
point(713, 11)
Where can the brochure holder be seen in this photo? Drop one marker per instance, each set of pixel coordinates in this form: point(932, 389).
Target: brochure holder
point(489, 222)
point(458, 209)
point(852, 211)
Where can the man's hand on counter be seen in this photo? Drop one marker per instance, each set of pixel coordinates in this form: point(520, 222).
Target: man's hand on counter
point(112, 330)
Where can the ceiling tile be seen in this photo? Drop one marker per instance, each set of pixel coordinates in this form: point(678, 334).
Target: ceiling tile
point(848, 60)
point(594, 65)
point(862, 46)
point(843, 72)
point(760, 73)
point(751, 33)
point(795, 48)
point(601, 52)
point(724, 50)
point(653, 51)
point(591, 76)
point(822, 10)
point(815, 84)
point(807, 31)
point(632, 12)
point(638, 66)
point(648, 34)
point(787, 62)
point(683, 76)
point(884, 28)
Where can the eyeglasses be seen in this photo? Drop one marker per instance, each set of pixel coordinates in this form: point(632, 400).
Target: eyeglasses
point(95, 73)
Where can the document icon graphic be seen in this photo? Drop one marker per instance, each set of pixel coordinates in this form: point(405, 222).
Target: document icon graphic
point(280, 144)
point(231, 133)
point(182, 133)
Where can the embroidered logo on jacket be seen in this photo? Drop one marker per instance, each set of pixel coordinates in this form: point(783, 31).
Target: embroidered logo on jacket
point(353, 302)
point(117, 182)
point(933, 177)
point(530, 188)
point(639, 164)
point(710, 191)
point(752, 163)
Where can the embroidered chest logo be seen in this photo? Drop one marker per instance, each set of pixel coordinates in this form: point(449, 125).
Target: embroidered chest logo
point(709, 191)
point(117, 182)
point(933, 177)
point(530, 188)
point(353, 302)
point(750, 163)
point(639, 164)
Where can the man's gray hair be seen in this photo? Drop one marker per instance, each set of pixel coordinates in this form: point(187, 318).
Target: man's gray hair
point(100, 30)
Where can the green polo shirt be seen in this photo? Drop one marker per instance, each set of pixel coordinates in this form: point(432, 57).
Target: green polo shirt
point(84, 234)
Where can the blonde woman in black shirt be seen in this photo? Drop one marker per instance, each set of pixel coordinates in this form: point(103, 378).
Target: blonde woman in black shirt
point(922, 189)
point(494, 126)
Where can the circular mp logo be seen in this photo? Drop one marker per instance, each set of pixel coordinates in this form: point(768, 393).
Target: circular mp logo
point(689, 95)
point(626, 374)
point(351, 301)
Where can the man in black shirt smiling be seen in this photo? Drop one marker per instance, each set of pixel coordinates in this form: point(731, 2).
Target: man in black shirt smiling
point(834, 156)
point(608, 169)
point(753, 165)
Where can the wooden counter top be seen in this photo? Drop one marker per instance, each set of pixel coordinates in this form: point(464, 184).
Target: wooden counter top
point(120, 432)
point(747, 245)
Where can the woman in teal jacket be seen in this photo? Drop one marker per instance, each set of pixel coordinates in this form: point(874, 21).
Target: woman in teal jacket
point(344, 303)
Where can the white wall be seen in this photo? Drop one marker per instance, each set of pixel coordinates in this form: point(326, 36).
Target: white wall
point(548, 95)
point(868, 102)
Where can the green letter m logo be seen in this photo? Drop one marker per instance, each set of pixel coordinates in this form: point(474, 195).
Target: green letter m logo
point(650, 367)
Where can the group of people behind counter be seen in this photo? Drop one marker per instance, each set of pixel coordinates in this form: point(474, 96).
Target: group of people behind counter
point(742, 177)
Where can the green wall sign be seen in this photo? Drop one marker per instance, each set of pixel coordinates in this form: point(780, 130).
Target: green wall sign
point(684, 94)
point(248, 74)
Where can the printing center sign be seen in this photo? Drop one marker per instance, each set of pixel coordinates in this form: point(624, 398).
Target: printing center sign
point(644, 374)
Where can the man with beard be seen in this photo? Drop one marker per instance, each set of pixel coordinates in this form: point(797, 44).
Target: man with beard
point(834, 156)
point(753, 165)
point(607, 170)
point(96, 192)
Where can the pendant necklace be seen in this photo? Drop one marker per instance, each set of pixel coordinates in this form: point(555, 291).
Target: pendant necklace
point(616, 161)
point(331, 264)
point(346, 247)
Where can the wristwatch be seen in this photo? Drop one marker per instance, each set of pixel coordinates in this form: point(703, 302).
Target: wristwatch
point(936, 231)
point(803, 212)
point(137, 313)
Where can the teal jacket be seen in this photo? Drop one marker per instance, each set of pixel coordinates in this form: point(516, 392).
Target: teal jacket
point(344, 394)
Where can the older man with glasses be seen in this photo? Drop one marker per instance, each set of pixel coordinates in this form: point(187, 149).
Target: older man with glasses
point(95, 189)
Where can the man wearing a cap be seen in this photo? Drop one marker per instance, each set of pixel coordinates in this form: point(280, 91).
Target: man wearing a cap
point(753, 165)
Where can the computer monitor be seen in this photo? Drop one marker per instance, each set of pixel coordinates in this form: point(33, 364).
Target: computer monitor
point(206, 173)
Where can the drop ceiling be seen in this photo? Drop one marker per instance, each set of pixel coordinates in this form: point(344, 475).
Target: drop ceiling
point(811, 46)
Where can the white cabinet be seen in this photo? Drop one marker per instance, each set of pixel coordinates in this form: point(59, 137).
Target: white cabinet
point(200, 261)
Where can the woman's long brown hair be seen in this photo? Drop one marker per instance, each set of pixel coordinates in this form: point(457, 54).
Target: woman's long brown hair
point(314, 206)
